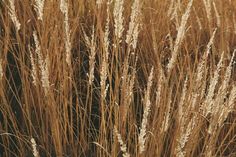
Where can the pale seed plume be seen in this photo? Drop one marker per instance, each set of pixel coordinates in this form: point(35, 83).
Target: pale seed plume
point(123, 146)
point(64, 9)
point(92, 46)
point(34, 147)
point(12, 13)
point(181, 112)
point(39, 6)
point(104, 67)
point(180, 36)
point(200, 73)
point(43, 64)
point(34, 69)
point(143, 129)
point(134, 24)
point(118, 19)
point(208, 105)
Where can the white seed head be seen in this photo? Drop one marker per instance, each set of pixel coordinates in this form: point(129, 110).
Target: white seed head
point(118, 18)
point(39, 5)
point(123, 146)
point(12, 13)
point(34, 146)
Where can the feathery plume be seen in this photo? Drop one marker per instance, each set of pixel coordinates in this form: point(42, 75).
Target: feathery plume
point(104, 68)
point(34, 71)
point(118, 18)
point(34, 146)
point(232, 98)
point(134, 24)
point(202, 63)
point(223, 91)
point(123, 146)
point(200, 72)
point(142, 134)
point(12, 13)
point(107, 32)
point(92, 45)
point(160, 84)
point(184, 137)
point(43, 64)
point(39, 5)
point(208, 105)
point(180, 36)
point(182, 100)
point(221, 95)
point(165, 124)
point(64, 10)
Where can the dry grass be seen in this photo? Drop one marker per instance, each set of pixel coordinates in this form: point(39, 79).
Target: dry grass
point(117, 78)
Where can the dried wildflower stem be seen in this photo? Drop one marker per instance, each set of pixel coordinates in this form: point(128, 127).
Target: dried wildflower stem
point(64, 10)
point(180, 36)
point(39, 6)
point(12, 13)
point(142, 134)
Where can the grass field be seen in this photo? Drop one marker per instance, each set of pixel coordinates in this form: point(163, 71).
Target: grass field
point(113, 78)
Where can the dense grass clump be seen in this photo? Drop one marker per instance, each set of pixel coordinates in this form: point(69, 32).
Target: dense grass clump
point(109, 78)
